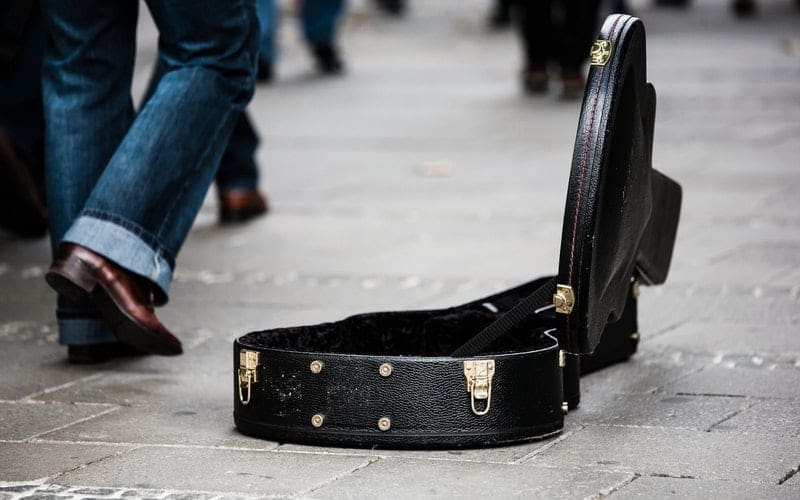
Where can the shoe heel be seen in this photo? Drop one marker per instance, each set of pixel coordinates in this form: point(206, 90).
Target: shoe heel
point(71, 277)
point(655, 250)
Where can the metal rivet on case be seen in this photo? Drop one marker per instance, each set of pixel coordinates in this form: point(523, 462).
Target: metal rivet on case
point(635, 336)
point(384, 423)
point(316, 366)
point(317, 420)
point(564, 407)
point(385, 370)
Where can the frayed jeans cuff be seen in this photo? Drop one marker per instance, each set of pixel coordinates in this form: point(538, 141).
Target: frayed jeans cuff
point(125, 249)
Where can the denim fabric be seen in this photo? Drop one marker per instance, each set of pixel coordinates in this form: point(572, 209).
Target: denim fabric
point(127, 185)
point(317, 17)
point(238, 168)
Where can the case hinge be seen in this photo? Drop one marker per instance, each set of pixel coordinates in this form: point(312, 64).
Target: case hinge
point(248, 373)
point(564, 299)
point(479, 375)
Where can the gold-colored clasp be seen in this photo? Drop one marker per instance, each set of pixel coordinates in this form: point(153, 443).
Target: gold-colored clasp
point(479, 375)
point(248, 373)
point(600, 53)
point(564, 299)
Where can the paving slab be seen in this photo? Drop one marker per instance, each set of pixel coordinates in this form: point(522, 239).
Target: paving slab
point(712, 338)
point(199, 424)
point(675, 452)
point(764, 381)
point(777, 417)
point(399, 478)
point(664, 487)
point(32, 461)
point(658, 410)
point(235, 471)
point(25, 419)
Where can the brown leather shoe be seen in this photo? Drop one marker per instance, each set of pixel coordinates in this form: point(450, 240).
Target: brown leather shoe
point(239, 205)
point(573, 84)
point(124, 299)
point(534, 80)
point(91, 354)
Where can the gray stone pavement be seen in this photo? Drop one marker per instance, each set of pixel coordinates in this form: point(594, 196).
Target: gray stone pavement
point(424, 178)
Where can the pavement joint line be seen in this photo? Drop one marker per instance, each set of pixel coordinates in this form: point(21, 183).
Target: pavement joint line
point(66, 385)
point(79, 421)
point(87, 464)
point(730, 416)
point(603, 493)
point(53, 402)
point(789, 475)
point(362, 466)
point(547, 446)
point(140, 445)
point(390, 454)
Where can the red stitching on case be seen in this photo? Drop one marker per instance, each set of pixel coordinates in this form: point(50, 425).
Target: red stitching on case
point(582, 175)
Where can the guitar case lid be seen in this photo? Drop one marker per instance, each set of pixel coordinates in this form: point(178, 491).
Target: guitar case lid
point(621, 216)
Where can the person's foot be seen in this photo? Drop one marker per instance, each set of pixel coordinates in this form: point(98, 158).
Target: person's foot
point(124, 298)
point(534, 80)
point(22, 205)
point(500, 17)
point(743, 8)
point(264, 72)
point(239, 205)
point(90, 354)
point(573, 84)
point(392, 7)
point(328, 60)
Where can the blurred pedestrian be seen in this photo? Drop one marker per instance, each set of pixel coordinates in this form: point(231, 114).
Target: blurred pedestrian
point(22, 205)
point(319, 20)
point(123, 188)
point(556, 34)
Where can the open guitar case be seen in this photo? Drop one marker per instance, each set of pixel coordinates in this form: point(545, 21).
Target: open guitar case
point(504, 368)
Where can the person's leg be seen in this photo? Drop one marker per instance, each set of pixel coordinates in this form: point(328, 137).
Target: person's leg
point(267, 52)
point(237, 178)
point(533, 19)
point(320, 20)
point(22, 205)
point(143, 205)
point(578, 31)
point(87, 72)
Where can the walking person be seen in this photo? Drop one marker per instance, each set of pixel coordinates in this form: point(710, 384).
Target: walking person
point(123, 188)
point(319, 20)
point(556, 35)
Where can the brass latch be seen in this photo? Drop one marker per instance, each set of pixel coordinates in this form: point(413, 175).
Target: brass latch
point(564, 299)
point(600, 53)
point(479, 375)
point(248, 362)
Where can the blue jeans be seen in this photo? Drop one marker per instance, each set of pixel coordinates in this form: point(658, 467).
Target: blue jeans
point(318, 18)
point(125, 185)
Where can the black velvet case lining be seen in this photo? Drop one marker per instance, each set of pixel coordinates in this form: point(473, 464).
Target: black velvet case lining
point(435, 332)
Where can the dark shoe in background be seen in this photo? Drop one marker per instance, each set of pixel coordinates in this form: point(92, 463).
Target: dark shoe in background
point(91, 354)
point(22, 204)
point(392, 7)
point(124, 298)
point(535, 80)
point(328, 60)
point(240, 205)
point(264, 72)
point(573, 84)
point(500, 16)
point(744, 8)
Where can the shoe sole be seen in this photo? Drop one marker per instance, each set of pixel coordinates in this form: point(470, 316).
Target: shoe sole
point(76, 283)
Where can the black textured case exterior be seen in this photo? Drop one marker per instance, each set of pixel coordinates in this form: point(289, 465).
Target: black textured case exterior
point(620, 224)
